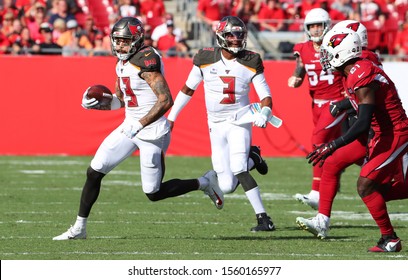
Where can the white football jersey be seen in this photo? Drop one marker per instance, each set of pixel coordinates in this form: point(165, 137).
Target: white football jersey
point(138, 96)
point(227, 82)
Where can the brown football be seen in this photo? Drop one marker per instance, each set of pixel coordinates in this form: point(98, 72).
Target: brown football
point(100, 93)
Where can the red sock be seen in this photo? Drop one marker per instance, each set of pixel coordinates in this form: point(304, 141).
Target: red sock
point(328, 187)
point(317, 174)
point(378, 210)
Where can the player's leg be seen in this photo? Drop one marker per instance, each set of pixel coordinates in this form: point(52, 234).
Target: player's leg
point(398, 188)
point(385, 154)
point(326, 128)
point(239, 138)
point(332, 170)
point(152, 166)
point(113, 150)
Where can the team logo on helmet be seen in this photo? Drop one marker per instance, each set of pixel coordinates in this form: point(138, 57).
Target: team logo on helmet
point(353, 26)
point(134, 29)
point(336, 40)
point(221, 26)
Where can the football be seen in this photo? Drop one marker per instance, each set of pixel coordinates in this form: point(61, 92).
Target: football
point(102, 94)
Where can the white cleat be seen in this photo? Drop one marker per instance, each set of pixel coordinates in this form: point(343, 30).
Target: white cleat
point(317, 226)
point(307, 201)
point(72, 233)
point(213, 190)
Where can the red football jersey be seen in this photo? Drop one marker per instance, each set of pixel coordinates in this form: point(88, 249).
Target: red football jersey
point(322, 85)
point(371, 56)
point(389, 114)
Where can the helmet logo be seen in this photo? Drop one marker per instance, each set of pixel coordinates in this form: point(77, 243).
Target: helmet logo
point(336, 40)
point(134, 29)
point(353, 26)
point(221, 26)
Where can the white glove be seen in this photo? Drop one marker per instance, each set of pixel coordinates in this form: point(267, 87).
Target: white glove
point(261, 119)
point(294, 81)
point(131, 129)
point(89, 103)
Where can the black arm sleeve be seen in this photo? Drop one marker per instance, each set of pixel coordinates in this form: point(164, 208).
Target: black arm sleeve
point(362, 125)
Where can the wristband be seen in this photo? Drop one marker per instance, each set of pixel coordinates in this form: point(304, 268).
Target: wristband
point(181, 100)
point(266, 111)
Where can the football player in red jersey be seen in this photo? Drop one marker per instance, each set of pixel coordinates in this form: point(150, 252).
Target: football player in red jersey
point(227, 72)
point(380, 108)
point(325, 87)
point(354, 153)
point(142, 89)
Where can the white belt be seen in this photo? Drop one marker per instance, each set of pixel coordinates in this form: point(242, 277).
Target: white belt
point(320, 102)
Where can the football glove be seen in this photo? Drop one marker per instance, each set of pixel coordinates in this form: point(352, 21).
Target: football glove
point(334, 109)
point(131, 129)
point(321, 153)
point(337, 107)
point(89, 103)
point(261, 118)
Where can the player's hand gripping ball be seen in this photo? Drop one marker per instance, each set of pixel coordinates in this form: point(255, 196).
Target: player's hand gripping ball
point(99, 93)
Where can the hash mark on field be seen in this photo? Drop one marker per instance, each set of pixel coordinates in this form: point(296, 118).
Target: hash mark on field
point(347, 215)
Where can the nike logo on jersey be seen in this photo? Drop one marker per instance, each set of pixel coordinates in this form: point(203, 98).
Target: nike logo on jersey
point(359, 76)
point(147, 54)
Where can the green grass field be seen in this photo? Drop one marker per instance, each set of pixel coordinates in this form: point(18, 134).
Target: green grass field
point(40, 197)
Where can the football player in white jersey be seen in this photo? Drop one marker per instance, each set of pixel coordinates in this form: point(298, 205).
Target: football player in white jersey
point(227, 72)
point(142, 89)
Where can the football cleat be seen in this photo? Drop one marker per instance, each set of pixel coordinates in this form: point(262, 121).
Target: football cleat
point(213, 190)
point(387, 244)
point(316, 225)
point(72, 233)
point(260, 163)
point(307, 201)
point(264, 223)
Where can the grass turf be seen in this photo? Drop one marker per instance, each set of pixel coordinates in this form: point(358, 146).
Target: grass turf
point(39, 199)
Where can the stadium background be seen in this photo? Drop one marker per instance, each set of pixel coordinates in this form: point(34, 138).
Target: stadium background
point(41, 111)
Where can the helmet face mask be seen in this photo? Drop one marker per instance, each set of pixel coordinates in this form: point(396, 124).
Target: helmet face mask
point(320, 17)
point(339, 46)
point(231, 34)
point(127, 37)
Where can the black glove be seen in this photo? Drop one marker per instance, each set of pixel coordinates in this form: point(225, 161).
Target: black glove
point(334, 109)
point(337, 107)
point(321, 153)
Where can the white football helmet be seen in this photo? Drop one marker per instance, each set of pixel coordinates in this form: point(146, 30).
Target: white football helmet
point(317, 15)
point(357, 27)
point(339, 46)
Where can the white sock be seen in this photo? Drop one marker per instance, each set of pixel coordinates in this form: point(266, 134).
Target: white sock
point(80, 222)
point(254, 196)
point(314, 195)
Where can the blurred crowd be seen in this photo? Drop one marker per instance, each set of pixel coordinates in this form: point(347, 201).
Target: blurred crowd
point(81, 27)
